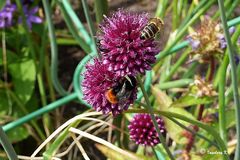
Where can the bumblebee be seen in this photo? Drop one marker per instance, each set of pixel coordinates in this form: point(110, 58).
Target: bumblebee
point(120, 93)
point(151, 29)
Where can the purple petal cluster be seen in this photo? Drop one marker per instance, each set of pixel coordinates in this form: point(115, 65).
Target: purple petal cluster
point(142, 130)
point(9, 15)
point(30, 14)
point(97, 81)
point(193, 42)
point(6, 15)
point(120, 44)
point(222, 39)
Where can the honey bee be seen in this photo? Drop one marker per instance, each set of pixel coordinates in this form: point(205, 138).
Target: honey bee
point(152, 28)
point(120, 93)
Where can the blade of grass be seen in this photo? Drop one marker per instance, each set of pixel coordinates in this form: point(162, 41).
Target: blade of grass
point(75, 26)
point(54, 50)
point(90, 24)
point(101, 8)
point(7, 145)
point(233, 75)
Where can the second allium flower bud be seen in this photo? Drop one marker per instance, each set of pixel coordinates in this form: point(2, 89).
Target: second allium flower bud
point(142, 130)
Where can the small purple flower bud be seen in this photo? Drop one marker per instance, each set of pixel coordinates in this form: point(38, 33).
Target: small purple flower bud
point(194, 43)
point(223, 43)
point(237, 58)
point(142, 130)
point(231, 30)
point(120, 43)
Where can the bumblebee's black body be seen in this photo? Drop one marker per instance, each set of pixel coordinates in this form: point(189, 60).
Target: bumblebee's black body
point(124, 89)
point(151, 29)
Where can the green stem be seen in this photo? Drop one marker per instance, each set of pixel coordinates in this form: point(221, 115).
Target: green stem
point(101, 8)
point(233, 75)
point(226, 5)
point(175, 84)
point(7, 145)
point(90, 24)
point(75, 26)
point(22, 107)
point(233, 6)
point(155, 153)
point(161, 8)
point(174, 68)
point(221, 98)
point(150, 110)
point(54, 50)
point(193, 132)
point(77, 78)
point(40, 112)
point(193, 9)
point(175, 15)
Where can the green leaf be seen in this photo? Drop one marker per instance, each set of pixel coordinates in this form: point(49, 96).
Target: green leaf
point(17, 134)
point(23, 77)
point(189, 100)
point(2, 4)
point(11, 57)
point(163, 103)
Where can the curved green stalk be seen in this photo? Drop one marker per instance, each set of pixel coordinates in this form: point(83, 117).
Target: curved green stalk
point(54, 50)
point(40, 112)
point(150, 110)
point(233, 75)
point(77, 78)
point(75, 26)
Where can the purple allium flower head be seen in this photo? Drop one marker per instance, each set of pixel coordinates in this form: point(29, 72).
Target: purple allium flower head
point(120, 44)
point(142, 130)
point(30, 16)
point(97, 81)
point(6, 14)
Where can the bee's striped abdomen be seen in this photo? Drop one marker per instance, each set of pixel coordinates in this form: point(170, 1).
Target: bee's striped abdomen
point(149, 31)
